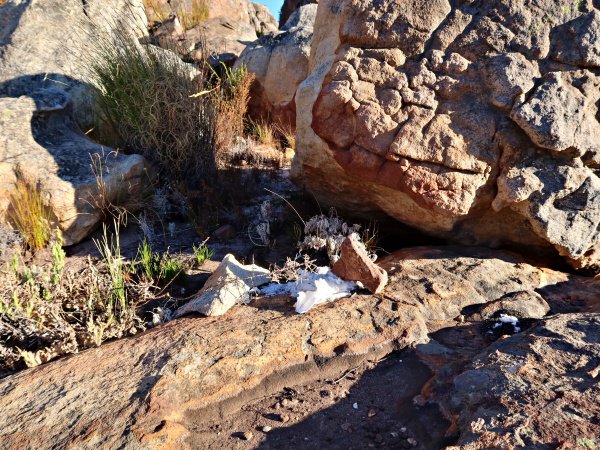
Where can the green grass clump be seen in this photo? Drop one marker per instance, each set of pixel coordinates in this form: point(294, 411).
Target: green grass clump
point(202, 253)
point(157, 268)
point(110, 249)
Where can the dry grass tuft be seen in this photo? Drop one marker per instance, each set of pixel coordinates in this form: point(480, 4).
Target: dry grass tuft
point(30, 216)
point(231, 103)
point(117, 198)
point(148, 97)
point(261, 131)
point(287, 135)
point(198, 13)
point(156, 11)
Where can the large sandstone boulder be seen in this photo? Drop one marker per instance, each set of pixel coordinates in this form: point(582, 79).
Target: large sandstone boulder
point(44, 100)
point(279, 62)
point(222, 35)
point(149, 391)
point(476, 122)
point(41, 144)
point(43, 43)
point(288, 8)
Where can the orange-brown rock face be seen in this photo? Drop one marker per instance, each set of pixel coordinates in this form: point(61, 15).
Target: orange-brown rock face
point(147, 391)
point(474, 122)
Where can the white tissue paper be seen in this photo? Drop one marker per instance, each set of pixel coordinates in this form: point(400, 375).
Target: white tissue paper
point(311, 289)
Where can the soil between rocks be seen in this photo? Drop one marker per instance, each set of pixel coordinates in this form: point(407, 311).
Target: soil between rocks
point(370, 406)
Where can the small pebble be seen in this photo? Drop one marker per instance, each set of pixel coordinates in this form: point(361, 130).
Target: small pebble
point(355, 405)
point(419, 400)
point(412, 442)
point(266, 428)
point(247, 435)
point(284, 402)
point(346, 426)
point(372, 412)
point(284, 418)
point(394, 434)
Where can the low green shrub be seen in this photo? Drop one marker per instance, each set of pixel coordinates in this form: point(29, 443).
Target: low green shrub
point(50, 311)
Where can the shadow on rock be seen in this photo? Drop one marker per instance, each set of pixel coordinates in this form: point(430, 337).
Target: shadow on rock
point(378, 411)
point(44, 147)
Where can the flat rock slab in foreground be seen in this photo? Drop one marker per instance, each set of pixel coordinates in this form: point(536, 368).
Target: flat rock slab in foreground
point(539, 387)
point(148, 390)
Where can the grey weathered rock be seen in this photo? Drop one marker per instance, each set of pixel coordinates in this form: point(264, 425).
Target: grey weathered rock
point(220, 37)
point(233, 11)
point(41, 144)
point(559, 113)
point(584, 30)
point(43, 43)
point(279, 62)
point(45, 100)
point(262, 19)
point(288, 8)
point(534, 389)
point(522, 304)
point(229, 285)
point(476, 122)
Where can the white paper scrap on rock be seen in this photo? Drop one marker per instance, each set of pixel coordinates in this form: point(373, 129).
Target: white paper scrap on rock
point(504, 318)
point(313, 289)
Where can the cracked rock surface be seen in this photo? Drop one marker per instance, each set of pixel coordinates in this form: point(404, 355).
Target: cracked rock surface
point(474, 121)
point(149, 390)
